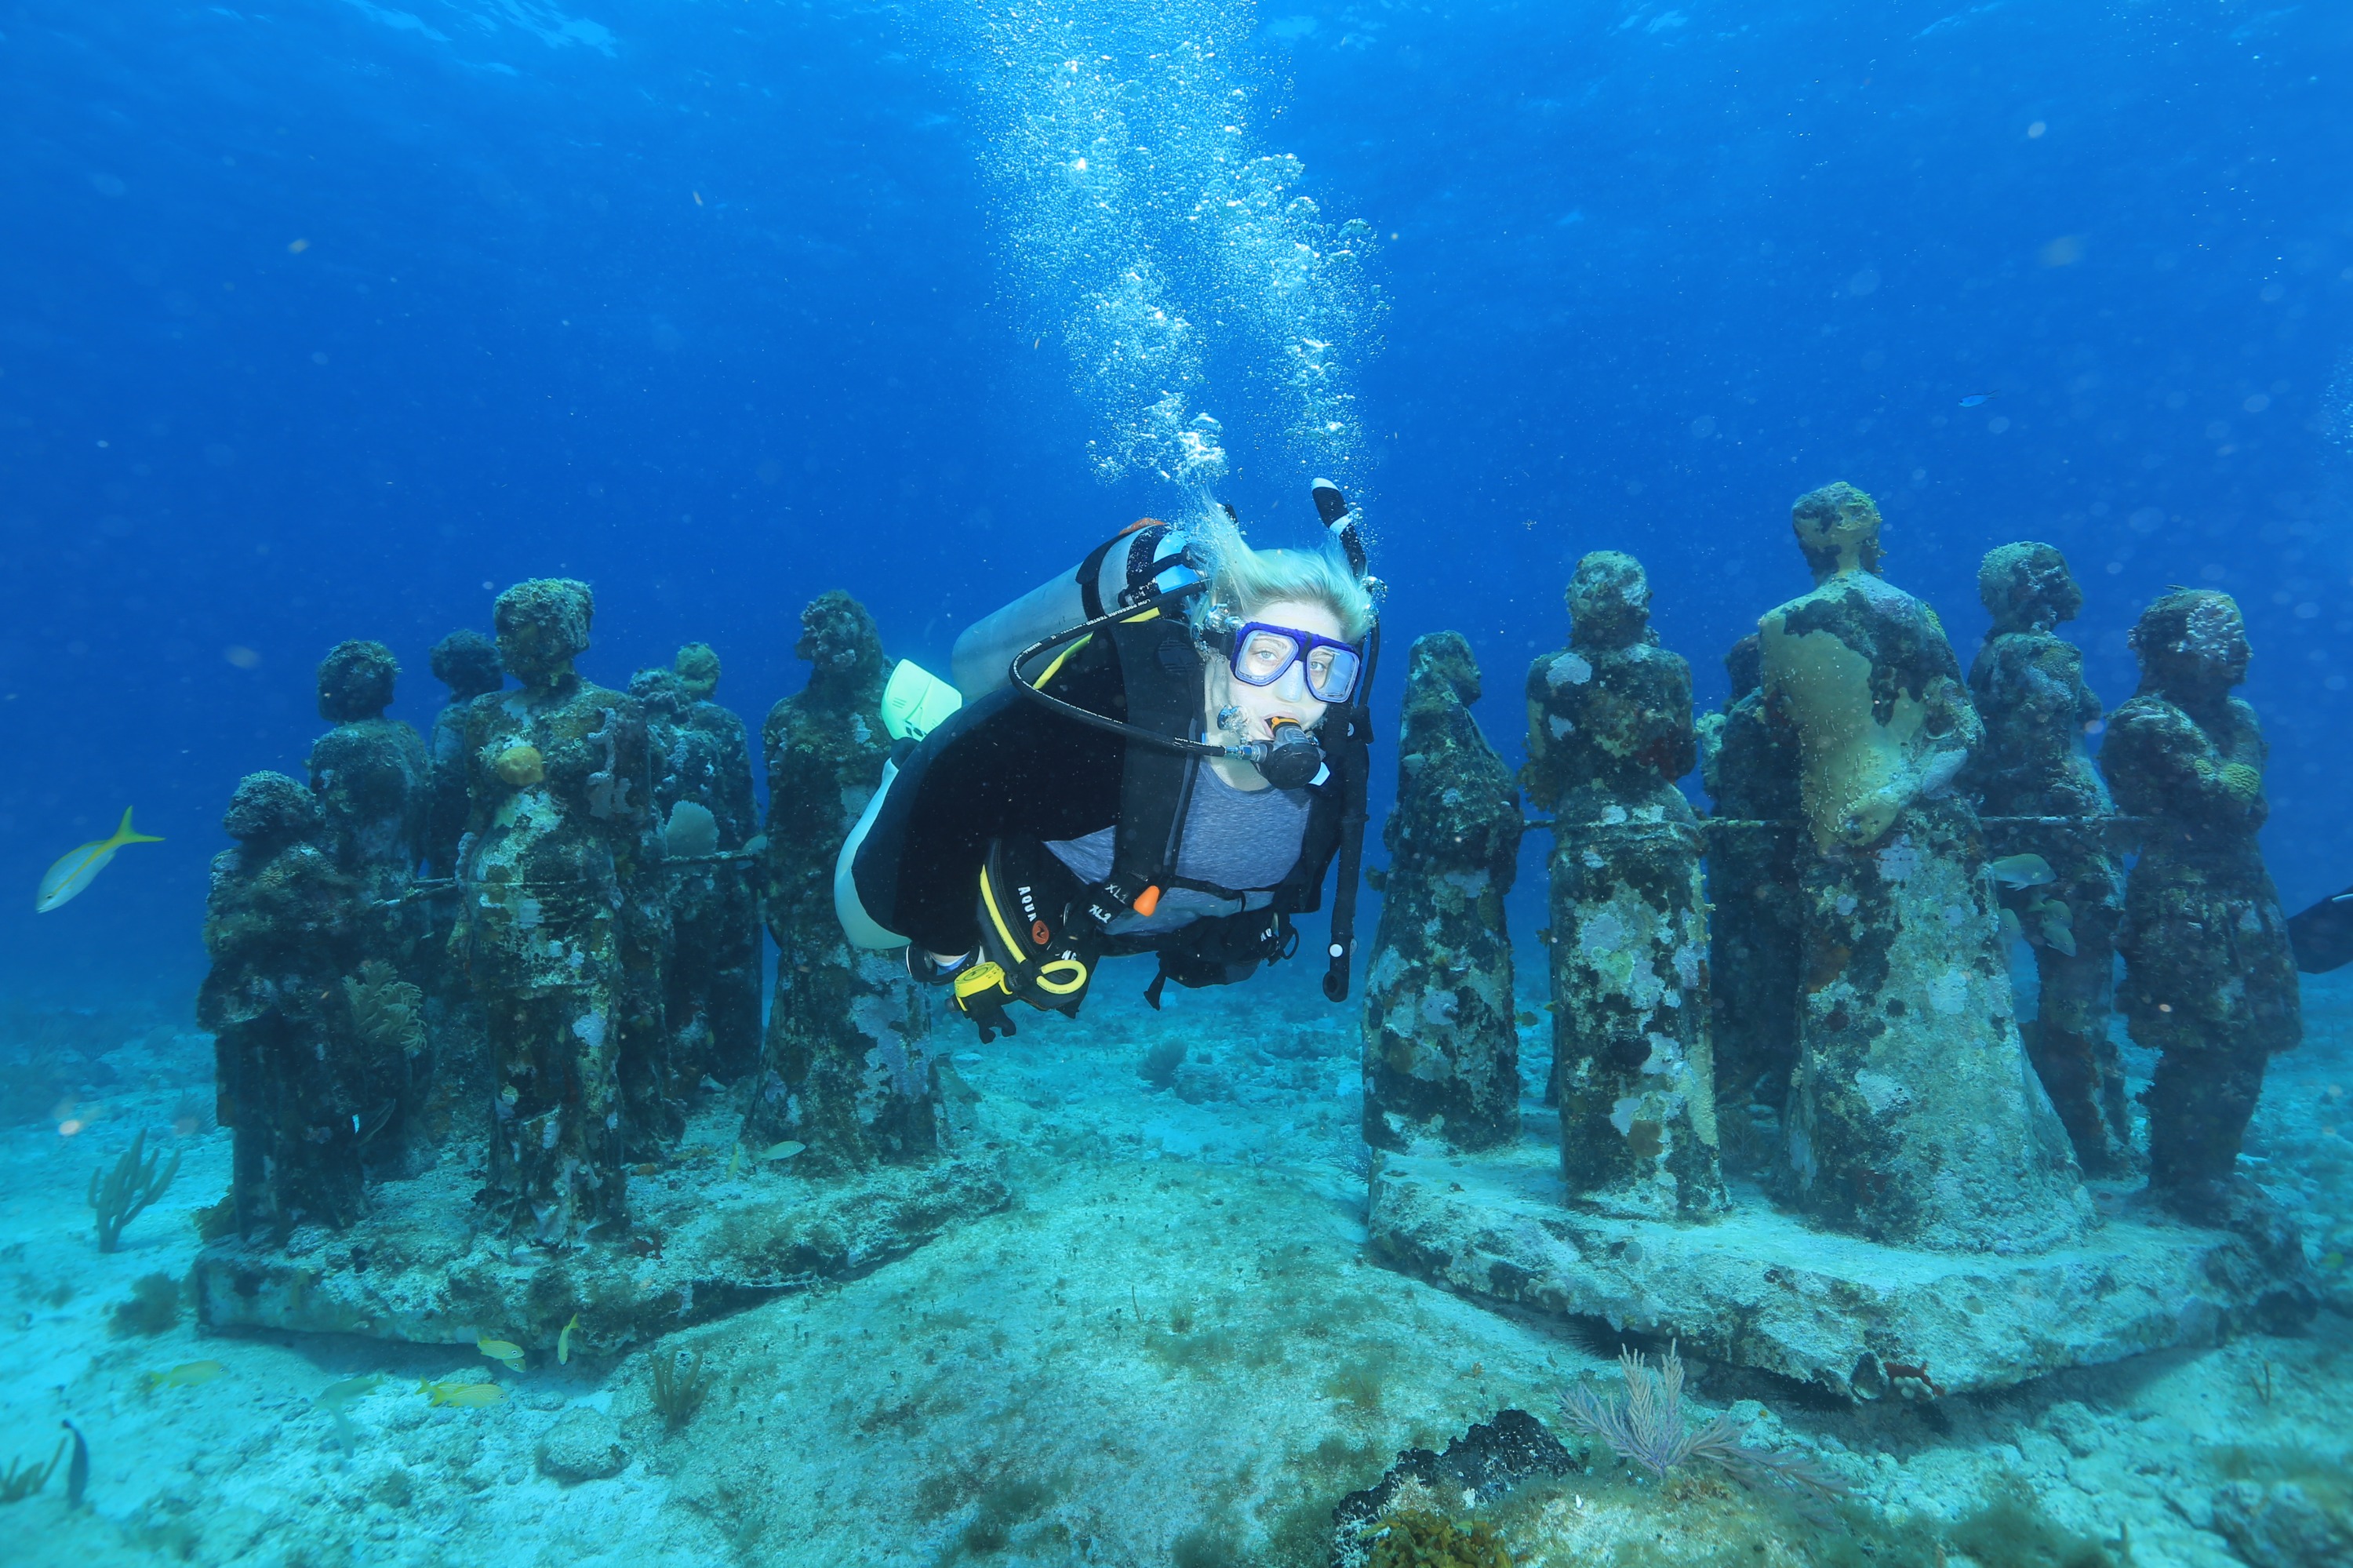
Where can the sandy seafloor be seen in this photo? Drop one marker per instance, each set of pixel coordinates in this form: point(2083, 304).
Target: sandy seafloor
point(1172, 1349)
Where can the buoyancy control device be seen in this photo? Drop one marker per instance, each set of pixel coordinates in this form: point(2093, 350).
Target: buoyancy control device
point(1288, 760)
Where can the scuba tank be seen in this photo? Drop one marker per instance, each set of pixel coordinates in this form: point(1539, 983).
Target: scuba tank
point(1145, 559)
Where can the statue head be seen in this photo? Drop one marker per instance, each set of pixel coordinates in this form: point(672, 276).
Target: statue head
point(698, 671)
point(1746, 666)
point(1609, 602)
point(270, 807)
point(839, 638)
point(543, 626)
point(2026, 587)
point(1838, 528)
point(468, 663)
point(355, 681)
point(2191, 642)
point(662, 692)
point(1443, 658)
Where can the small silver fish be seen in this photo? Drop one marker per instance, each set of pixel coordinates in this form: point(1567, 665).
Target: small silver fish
point(2022, 871)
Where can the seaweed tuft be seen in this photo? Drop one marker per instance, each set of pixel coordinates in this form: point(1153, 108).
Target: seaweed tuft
point(680, 1386)
point(153, 1306)
point(137, 1180)
point(1417, 1538)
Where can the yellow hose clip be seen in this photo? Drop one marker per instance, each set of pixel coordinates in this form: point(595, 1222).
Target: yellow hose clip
point(1073, 971)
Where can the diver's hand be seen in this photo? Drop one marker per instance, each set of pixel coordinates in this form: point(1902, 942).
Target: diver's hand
point(981, 996)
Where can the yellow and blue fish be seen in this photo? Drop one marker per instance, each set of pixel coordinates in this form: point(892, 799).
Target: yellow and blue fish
point(464, 1395)
point(77, 869)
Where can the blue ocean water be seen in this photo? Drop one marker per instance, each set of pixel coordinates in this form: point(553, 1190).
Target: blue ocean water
point(327, 320)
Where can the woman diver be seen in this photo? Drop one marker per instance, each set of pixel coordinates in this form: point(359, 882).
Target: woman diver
point(1174, 774)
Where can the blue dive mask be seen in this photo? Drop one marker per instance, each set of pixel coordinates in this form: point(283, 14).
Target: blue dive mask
point(1296, 662)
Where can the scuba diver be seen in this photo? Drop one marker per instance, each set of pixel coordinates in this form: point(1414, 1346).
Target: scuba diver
point(2323, 934)
point(1162, 752)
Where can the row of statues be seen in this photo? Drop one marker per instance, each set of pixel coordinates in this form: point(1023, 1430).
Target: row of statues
point(542, 921)
point(551, 909)
point(1811, 989)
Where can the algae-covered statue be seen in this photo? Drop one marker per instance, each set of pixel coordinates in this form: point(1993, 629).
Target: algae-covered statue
point(2209, 981)
point(703, 798)
point(1748, 762)
point(468, 663)
point(1609, 731)
point(848, 1066)
point(279, 927)
point(1913, 1116)
point(371, 773)
point(1442, 1051)
point(2056, 855)
point(562, 943)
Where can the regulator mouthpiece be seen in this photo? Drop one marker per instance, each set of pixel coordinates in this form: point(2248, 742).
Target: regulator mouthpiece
point(1291, 760)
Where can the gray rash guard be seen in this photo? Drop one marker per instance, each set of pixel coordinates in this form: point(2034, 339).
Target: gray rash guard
point(1234, 838)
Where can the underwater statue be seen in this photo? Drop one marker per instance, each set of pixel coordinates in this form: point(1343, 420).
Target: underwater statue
point(702, 797)
point(848, 1069)
point(1913, 1116)
point(1748, 762)
point(1442, 1051)
point(1609, 731)
point(2056, 861)
point(468, 663)
point(2209, 981)
point(371, 773)
point(301, 1085)
point(563, 925)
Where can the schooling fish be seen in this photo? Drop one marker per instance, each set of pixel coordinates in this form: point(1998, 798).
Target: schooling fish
point(1977, 399)
point(563, 1340)
point(2022, 871)
point(465, 1395)
point(77, 869)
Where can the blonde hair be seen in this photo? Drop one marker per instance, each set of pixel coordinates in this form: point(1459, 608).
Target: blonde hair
point(1242, 580)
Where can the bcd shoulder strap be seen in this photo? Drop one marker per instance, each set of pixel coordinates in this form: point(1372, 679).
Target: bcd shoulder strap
point(1161, 673)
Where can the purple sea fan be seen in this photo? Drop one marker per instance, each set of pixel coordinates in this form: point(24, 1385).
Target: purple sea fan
point(1648, 1428)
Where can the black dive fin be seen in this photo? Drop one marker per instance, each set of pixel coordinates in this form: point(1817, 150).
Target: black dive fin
point(2323, 934)
point(1330, 505)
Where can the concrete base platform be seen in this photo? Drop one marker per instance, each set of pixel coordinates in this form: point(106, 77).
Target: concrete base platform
point(1859, 1320)
point(418, 1270)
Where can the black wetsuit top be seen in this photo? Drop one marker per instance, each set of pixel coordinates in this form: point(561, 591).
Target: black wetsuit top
point(1009, 767)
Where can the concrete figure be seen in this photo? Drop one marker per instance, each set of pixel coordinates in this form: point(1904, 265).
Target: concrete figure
point(702, 797)
point(374, 779)
point(1913, 1119)
point(2209, 983)
point(2060, 877)
point(371, 773)
point(1748, 761)
point(1442, 1051)
point(562, 942)
point(468, 663)
point(848, 1066)
point(299, 1093)
point(1609, 731)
